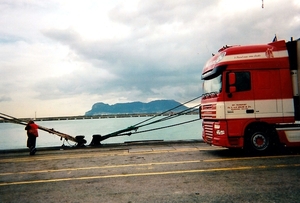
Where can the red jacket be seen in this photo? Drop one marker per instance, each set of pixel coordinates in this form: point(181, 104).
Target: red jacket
point(32, 129)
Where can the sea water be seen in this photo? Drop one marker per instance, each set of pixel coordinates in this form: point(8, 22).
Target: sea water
point(13, 136)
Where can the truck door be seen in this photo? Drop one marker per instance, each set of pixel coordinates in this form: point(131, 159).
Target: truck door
point(267, 97)
point(240, 97)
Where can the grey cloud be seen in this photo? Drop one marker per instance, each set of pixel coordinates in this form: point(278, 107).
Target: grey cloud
point(5, 98)
point(160, 12)
point(7, 39)
point(154, 57)
point(135, 65)
point(72, 84)
point(67, 36)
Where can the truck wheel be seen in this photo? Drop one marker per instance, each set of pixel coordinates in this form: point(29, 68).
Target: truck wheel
point(258, 139)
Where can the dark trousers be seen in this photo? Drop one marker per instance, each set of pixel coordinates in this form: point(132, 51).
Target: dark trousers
point(31, 140)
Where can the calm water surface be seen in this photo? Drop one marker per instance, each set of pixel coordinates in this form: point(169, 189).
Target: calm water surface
point(13, 136)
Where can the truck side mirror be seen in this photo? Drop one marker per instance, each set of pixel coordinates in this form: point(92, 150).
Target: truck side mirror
point(231, 82)
point(232, 79)
point(232, 89)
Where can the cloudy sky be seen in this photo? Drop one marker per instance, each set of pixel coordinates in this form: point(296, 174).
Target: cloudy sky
point(59, 57)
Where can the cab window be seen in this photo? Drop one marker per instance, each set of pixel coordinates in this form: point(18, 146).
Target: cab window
point(242, 81)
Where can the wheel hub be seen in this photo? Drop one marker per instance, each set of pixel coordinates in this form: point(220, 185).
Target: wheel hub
point(259, 141)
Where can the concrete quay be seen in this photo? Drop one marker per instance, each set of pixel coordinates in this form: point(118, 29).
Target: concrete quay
point(148, 172)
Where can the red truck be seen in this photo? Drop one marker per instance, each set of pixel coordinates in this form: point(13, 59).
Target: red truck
point(251, 97)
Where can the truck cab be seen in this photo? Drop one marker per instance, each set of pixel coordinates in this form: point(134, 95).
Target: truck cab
point(248, 96)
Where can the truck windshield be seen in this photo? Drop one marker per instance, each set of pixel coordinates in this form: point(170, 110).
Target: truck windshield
point(213, 85)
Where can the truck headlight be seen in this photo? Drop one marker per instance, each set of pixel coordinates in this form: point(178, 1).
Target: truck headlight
point(220, 132)
point(217, 126)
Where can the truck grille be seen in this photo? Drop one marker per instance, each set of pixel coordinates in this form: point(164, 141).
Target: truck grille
point(208, 111)
point(208, 131)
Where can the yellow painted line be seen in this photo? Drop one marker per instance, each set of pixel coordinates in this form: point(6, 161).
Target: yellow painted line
point(147, 174)
point(208, 160)
point(63, 155)
point(98, 154)
point(250, 158)
point(136, 165)
point(57, 157)
point(145, 164)
point(100, 167)
point(125, 152)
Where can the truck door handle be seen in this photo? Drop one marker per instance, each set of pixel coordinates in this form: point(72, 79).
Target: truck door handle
point(250, 111)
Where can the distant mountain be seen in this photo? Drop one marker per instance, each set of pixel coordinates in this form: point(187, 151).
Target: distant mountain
point(157, 106)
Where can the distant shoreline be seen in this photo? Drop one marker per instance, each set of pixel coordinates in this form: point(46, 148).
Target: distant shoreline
point(103, 116)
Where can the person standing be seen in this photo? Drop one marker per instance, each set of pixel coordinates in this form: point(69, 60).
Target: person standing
point(32, 134)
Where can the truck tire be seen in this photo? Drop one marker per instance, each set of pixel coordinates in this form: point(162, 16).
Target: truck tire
point(259, 139)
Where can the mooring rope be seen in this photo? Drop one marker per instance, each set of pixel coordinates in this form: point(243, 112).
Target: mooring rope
point(23, 122)
point(168, 111)
point(128, 131)
point(171, 116)
point(163, 127)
